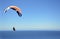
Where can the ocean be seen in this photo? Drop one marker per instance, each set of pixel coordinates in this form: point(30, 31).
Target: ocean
point(30, 35)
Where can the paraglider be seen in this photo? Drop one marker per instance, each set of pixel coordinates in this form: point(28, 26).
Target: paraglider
point(13, 28)
point(17, 9)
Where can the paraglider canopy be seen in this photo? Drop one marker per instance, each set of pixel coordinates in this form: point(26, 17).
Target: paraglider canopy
point(14, 29)
point(17, 9)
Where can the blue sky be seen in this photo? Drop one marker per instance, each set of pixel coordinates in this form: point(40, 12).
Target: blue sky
point(37, 15)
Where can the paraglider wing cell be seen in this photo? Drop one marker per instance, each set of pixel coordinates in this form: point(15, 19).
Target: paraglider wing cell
point(19, 14)
point(6, 9)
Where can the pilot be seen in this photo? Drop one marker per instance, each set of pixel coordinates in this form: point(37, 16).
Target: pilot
point(13, 28)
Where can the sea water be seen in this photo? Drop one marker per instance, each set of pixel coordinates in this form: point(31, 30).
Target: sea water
point(29, 34)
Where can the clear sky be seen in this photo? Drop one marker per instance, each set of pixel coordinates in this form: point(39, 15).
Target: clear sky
point(36, 15)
